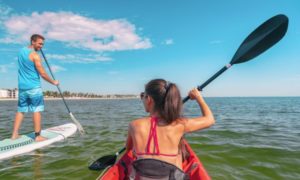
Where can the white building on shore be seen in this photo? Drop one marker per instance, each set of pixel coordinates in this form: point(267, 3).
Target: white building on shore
point(9, 93)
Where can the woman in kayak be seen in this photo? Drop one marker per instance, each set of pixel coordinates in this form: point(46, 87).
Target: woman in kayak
point(156, 139)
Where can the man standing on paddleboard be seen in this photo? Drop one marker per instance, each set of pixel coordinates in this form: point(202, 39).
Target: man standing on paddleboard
point(30, 92)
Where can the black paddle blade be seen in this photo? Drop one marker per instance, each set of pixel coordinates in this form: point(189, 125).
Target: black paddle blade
point(261, 39)
point(103, 162)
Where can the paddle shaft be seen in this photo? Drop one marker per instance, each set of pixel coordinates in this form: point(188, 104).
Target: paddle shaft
point(209, 80)
point(122, 150)
point(55, 79)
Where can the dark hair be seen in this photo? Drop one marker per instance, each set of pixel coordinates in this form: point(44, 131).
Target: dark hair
point(35, 37)
point(167, 99)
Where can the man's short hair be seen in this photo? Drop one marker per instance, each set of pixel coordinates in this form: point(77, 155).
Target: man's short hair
point(35, 37)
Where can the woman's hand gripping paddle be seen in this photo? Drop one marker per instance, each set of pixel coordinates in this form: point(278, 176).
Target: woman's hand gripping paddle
point(261, 39)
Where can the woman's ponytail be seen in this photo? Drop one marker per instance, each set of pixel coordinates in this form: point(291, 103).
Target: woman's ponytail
point(167, 99)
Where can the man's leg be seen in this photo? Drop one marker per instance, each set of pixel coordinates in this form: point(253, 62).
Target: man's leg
point(37, 126)
point(36, 106)
point(22, 108)
point(17, 124)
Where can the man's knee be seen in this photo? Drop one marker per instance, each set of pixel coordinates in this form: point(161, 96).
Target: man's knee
point(20, 113)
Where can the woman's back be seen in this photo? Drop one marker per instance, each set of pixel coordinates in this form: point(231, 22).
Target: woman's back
point(159, 142)
point(158, 137)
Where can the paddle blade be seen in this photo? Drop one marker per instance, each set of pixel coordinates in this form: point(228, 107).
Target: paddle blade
point(103, 162)
point(261, 39)
point(79, 127)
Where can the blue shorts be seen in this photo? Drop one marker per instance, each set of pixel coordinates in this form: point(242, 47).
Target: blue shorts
point(31, 100)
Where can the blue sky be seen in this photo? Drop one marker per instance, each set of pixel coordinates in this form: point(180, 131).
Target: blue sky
point(113, 46)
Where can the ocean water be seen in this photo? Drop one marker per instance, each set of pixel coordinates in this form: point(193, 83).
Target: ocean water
point(253, 138)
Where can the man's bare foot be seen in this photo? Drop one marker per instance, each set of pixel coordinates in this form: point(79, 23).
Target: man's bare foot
point(40, 138)
point(15, 136)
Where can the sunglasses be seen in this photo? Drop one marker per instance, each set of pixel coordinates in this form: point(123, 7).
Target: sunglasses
point(143, 95)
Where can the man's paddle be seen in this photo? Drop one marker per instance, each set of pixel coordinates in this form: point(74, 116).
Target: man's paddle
point(80, 129)
point(261, 39)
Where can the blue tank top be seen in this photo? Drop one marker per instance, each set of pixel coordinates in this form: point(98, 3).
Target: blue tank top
point(29, 77)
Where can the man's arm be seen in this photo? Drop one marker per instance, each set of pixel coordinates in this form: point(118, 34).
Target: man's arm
point(38, 64)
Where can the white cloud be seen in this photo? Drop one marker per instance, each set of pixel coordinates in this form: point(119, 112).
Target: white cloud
point(56, 68)
point(11, 52)
point(78, 58)
point(76, 31)
point(5, 67)
point(4, 12)
point(168, 42)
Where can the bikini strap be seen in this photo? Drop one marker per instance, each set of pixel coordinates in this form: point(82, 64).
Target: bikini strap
point(153, 135)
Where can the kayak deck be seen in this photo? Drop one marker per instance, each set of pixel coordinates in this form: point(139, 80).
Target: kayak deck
point(191, 166)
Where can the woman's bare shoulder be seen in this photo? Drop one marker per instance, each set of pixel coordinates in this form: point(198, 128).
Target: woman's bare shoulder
point(181, 121)
point(140, 121)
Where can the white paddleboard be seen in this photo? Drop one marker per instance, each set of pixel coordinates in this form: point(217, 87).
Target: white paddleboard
point(26, 143)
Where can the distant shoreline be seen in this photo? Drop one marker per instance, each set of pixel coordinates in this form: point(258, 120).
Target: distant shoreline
point(106, 98)
point(71, 98)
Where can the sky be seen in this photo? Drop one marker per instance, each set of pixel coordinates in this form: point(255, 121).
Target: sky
point(116, 47)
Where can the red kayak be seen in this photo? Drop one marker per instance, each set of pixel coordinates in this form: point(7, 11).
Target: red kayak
point(191, 166)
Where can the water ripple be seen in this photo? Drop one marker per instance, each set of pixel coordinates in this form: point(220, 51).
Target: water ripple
point(253, 138)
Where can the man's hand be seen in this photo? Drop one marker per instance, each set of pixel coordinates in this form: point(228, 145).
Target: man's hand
point(55, 82)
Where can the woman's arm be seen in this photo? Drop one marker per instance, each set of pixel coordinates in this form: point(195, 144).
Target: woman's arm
point(206, 120)
point(129, 143)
